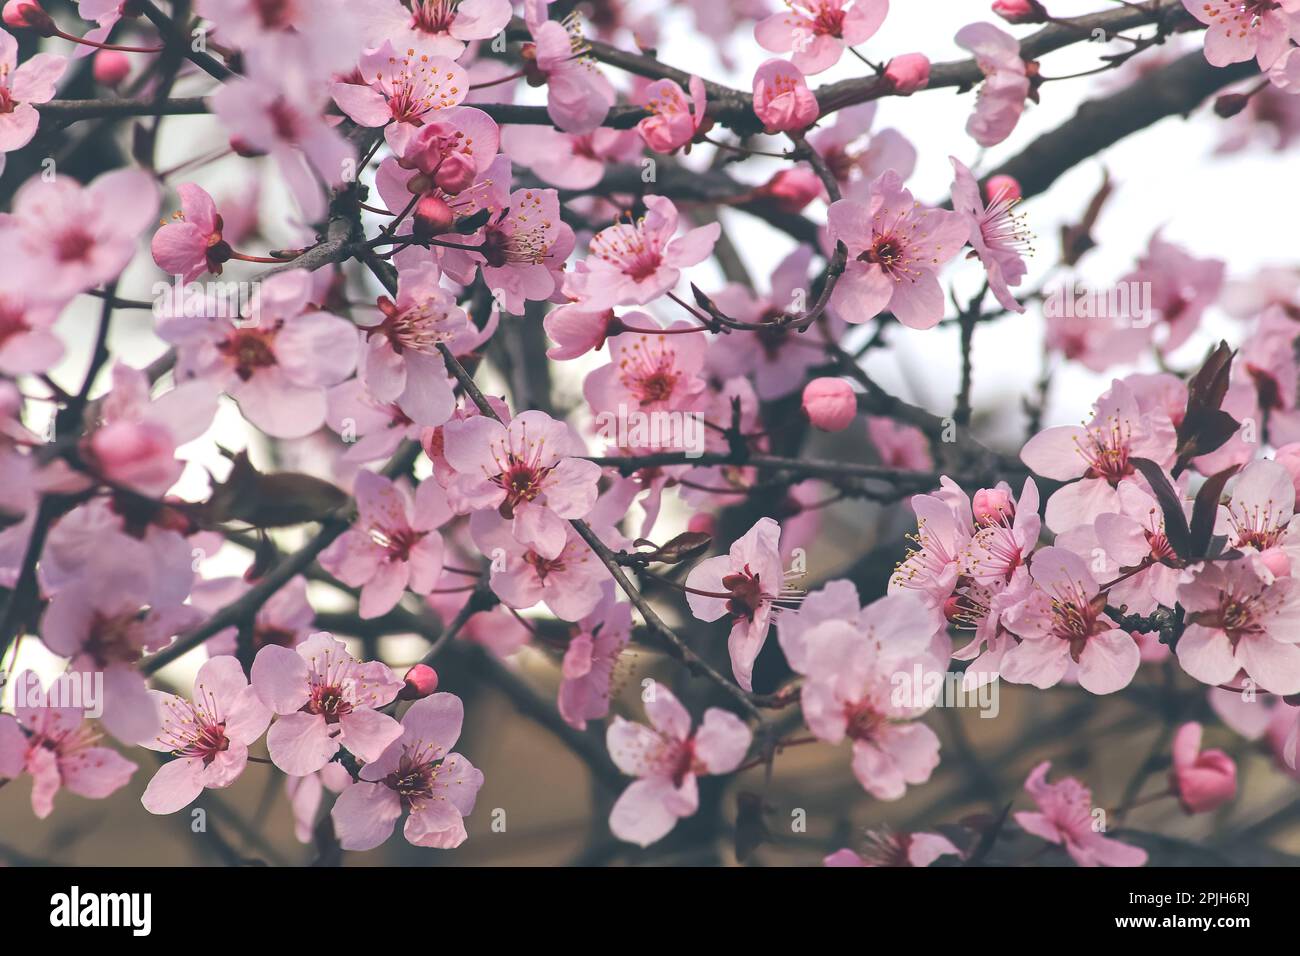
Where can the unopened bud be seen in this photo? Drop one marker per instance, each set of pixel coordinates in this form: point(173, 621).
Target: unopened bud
point(908, 73)
point(28, 15)
point(421, 681)
point(432, 217)
point(1230, 104)
point(830, 403)
point(111, 67)
point(1020, 11)
point(1002, 187)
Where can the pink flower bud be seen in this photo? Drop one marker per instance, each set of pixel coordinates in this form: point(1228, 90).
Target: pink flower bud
point(28, 15)
point(830, 403)
point(1203, 780)
point(702, 523)
point(1002, 187)
point(792, 189)
point(782, 99)
point(908, 73)
point(1020, 11)
point(432, 217)
point(992, 506)
point(111, 67)
point(421, 681)
point(138, 454)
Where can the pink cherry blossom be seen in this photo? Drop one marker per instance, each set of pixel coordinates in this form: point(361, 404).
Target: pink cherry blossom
point(1241, 619)
point(852, 689)
point(1097, 343)
point(57, 748)
point(590, 660)
point(1001, 97)
point(1099, 454)
point(192, 244)
point(1006, 532)
point(1063, 619)
point(207, 735)
point(1065, 817)
point(819, 30)
point(418, 773)
point(443, 25)
point(899, 446)
point(855, 155)
point(446, 155)
point(744, 584)
point(1203, 780)
point(373, 429)
point(578, 96)
point(568, 160)
point(894, 249)
point(321, 35)
point(402, 363)
point(649, 373)
point(105, 624)
point(675, 119)
point(782, 99)
point(521, 249)
point(394, 544)
point(281, 116)
point(276, 360)
point(528, 471)
point(135, 443)
point(285, 620)
point(21, 86)
point(1259, 512)
point(1020, 11)
point(666, 758)
point(1131, 537)
point(28, 344)
point(1238, 30)
point(577, 331)
point(776, 358)
point(324, 699)
point(401, 86)
point(944, 531)
point(75, 237)
point(633, 263)
point(1182, 287)
point(569, 582)
point(998, 235)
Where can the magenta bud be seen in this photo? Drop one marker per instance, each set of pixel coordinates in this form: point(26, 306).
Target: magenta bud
point(432, 217)
point(421, 681)
point(111, 67)
point(28, 15)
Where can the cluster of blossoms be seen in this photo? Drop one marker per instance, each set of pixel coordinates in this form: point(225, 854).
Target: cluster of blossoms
point(1161, 530)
